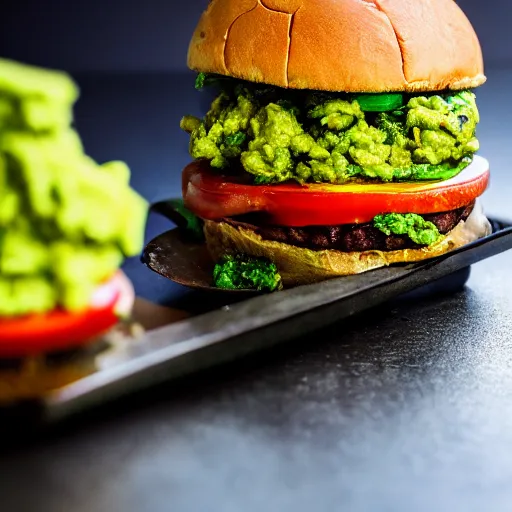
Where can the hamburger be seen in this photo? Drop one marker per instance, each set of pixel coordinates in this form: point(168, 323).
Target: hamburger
point(66, 225)
point(342, 136)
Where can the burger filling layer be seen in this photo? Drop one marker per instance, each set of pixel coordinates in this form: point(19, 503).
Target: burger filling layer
point(274, 135)
point(390, 232)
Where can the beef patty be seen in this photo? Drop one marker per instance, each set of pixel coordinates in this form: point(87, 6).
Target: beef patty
point(349, 237)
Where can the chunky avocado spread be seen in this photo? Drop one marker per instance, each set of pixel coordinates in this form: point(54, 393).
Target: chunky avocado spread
point(66, 223)
point(278, 135)
point(419, 230)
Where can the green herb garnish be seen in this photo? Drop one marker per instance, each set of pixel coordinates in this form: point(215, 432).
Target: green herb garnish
point(419, 230)
point(200, 80)
point(243, 273)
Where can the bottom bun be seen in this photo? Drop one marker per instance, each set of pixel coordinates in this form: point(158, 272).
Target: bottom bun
point(299, 266)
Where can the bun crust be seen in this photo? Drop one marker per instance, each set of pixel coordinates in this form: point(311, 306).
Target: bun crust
point(299, 266)
point(340, 45)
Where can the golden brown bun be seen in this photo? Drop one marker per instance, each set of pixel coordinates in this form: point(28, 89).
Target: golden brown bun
point(303, 266)
point(340, 45)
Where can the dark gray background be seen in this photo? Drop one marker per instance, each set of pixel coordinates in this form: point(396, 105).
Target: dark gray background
point(406, 407)
point(153, 35)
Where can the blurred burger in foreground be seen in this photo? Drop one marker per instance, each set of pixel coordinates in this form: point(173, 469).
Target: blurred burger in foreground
point(66, 225)
point(342, 137)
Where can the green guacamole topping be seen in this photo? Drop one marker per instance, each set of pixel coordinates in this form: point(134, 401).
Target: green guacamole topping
point(419, 230)
point(241, 273)
point(66, 223)
point(278, 135)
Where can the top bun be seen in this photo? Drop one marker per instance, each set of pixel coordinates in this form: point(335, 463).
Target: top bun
point(340, 45)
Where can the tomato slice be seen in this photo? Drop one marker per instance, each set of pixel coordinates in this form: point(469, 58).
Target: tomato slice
point(213, 196)
point(60, 330)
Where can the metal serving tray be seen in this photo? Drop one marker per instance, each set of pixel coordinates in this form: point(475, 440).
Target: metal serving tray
point(245, 327)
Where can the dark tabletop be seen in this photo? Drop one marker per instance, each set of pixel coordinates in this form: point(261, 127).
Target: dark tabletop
point(406, 407)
